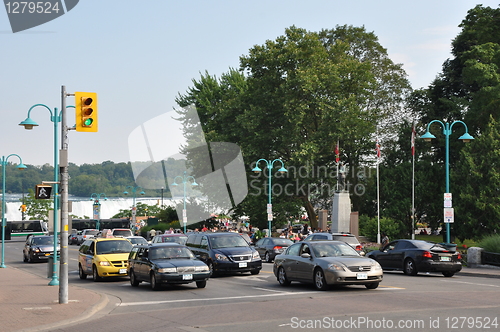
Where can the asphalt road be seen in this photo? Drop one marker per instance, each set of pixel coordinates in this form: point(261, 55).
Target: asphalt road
point(426, 302)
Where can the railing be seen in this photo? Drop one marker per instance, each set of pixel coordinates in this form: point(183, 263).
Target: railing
point(490, 258)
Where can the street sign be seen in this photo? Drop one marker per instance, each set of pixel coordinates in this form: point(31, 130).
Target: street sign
point(269, 217)
point(42, 191)
point(449, 215)
point(447, 200)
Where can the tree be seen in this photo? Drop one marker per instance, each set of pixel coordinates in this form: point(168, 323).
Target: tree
point(478, 204)
point(292, 100)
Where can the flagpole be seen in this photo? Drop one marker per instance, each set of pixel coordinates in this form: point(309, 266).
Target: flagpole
point(413, 182)
point(378, 193)
point(337, 159)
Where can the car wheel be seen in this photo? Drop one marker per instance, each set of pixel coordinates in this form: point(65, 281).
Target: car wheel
point(282, 279)
point(448, 274)
point(95, 274)
point(410, 268)
point(154, 282)
point(255, 272)
point(133, 280)
point(201, 284)
point(319, 280)
point(268, 257)
point(81, 274)
point(372, 285)
point(30, 258)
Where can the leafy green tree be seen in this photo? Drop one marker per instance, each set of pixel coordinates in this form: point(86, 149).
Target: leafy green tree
point(292, 100)
point(478, 204)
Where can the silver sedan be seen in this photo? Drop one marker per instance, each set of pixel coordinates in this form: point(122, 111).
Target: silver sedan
point(326, 263)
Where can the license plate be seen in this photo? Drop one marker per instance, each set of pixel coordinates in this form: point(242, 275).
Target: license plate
point(122, 271)
point(187, 277)
point(444, 259)
point(243, 264)
point(362, 276)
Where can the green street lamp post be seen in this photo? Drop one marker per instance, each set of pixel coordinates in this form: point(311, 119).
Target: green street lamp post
point(185, 178)
point(447, 130)
point(3, 163)
point(29, 124)
point(96, 208)
point(134, 210)
point(269, 165)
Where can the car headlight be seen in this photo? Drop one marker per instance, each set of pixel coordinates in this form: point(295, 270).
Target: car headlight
point(104, 263)
point(336, 267)
point(37, 250)
point(168, 270)
point(255, 255)
point(376, 266)
point(201, 268)
point(221, 257)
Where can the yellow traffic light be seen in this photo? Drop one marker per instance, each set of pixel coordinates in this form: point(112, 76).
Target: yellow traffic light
point(86, 111)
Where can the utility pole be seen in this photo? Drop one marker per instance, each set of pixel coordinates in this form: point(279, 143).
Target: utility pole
point(63, 168)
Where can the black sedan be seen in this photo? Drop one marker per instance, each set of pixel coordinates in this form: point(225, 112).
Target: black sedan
point(269, 247)
point(414, 256)
point(165, 263)
point(38, 248)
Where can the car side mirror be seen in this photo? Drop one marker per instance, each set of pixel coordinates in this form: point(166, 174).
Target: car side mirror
point(305, 255)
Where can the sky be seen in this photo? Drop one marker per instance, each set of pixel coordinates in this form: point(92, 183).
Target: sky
point(139, 55)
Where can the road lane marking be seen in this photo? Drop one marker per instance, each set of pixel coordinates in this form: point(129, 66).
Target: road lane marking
point(471, 283)
point(127, 304)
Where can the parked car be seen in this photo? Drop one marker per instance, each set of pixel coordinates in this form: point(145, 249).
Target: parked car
point(116, 232)
point(326, 263)
point(136, 239)
point(346, 237)
point(38, 248)
point(269, 247)
point(165, 263)
point(102, 258)
point(87, 234)
point(173, 237)
point(225, 252)
point(74, 237)
point(414, 256)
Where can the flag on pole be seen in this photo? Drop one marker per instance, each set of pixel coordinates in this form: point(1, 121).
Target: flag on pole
point(337, 153)
point(377, 148)
point(413, 134)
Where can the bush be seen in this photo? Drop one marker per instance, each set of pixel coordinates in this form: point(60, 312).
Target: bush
point(491, 243)
point(369, 227)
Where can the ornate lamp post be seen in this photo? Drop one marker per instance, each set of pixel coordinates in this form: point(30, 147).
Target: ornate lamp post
point(269, 165)
point(134, 210)
point(185, 178)
point(96, 208)
point(447, 130)
point(28, 124)
point(3, 163)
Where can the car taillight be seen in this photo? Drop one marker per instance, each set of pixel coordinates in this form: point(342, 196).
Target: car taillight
point(277, 248)
point(427, 254)
point(459, 256)
point(359, 247)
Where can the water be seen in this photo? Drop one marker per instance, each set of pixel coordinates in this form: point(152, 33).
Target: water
point(83, 206)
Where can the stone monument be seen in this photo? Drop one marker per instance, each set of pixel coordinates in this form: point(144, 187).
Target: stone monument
point(341, 207)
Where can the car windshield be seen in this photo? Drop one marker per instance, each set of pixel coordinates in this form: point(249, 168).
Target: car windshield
point(228, 242)
point(332, 250)
point(282, 242)
point(113, 247)
point(347, 239)
point(122, 232)
point(137, 240)
point(91, 232)
point(170, 253)
point(42, 241)
point(174, 239)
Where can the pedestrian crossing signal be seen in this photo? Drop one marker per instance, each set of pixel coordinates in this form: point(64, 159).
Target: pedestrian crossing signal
point(86, 111)
point(42, 191)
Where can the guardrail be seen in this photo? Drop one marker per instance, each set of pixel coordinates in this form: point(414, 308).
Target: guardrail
point(490, 258)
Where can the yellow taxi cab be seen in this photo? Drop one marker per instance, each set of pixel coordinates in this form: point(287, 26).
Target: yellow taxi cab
point(104, 257)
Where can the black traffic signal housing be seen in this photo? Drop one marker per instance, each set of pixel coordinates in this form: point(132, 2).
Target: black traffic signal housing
point(86, 111)
point(43, 191)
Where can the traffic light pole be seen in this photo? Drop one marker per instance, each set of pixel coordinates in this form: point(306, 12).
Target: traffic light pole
point(63, 168)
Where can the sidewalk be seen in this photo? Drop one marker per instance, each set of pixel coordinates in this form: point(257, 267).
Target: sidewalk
point(27, 303)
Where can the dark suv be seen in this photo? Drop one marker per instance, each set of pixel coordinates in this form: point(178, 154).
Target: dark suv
point(225, 252)
point(349, 238)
